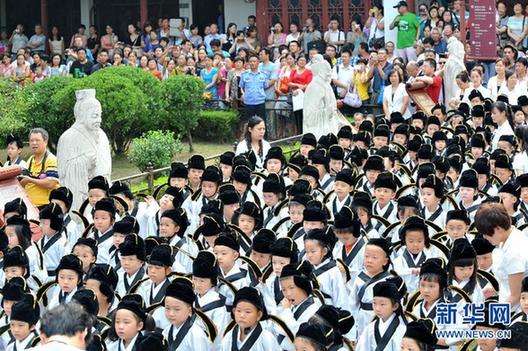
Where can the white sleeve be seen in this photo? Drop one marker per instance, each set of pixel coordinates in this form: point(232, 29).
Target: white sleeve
point(241, 148)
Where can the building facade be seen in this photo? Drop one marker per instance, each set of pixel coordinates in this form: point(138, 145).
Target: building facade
point(119, 13)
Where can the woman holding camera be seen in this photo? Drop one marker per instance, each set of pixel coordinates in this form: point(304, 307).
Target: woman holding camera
point(355, 36)
point(276, 38)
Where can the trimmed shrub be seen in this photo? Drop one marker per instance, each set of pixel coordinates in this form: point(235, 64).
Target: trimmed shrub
point(10, 122)
point(155, 148)
point(125, 114)
point(149, 85)
point(33, 108)
point(219, 126)
point(184, 96)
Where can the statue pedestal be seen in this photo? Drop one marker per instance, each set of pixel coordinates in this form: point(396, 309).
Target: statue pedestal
point(11, 189)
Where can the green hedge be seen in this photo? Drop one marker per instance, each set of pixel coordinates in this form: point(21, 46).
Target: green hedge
point(133, 102)
point(218, 126)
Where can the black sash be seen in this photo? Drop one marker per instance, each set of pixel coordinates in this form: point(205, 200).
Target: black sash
point(234, 277)
point(135, 210)
point(334, 204)
point(175, 342)
point(435, 214)
point(298, 234)
point(432, 314)
point(243, 244)
point(410, 261)
point(470, 208)
point(140, 273)
point(160, 294)
point(248, 344)
point(67, 221)
point(212, 305)
point(105, 237)
point(62, 296)
point(355, 250)
point(381, 342)
point(385, 215)
point(277, 291)
point(135, 343)
point(50, 242)
point(269, 217)
point(457, 297)
point(327, 183)
point(523, 206)
point(157, 219)
point(369, 281)
point(179, 244)
point(324, 268)
point(303, 307)
point(243, 198)
point(368, 227)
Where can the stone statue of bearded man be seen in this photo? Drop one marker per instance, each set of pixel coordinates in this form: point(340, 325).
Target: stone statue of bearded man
point(83, 151)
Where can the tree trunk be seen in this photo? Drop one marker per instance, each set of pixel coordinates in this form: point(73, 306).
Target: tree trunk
point(189, 139)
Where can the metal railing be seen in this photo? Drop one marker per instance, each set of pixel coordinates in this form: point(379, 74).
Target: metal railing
point(277, 117)
point(151, 173)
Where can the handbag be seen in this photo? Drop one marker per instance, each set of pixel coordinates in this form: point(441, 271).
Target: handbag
point(352, 98)
point(283, 87)
point(376, 42)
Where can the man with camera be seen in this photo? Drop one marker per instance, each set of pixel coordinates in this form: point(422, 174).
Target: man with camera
point(309, 34)
point(334, 36)
point(18, 40)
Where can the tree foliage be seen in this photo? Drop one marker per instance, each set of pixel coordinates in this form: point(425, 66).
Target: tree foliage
point(183, 95)
point(124, 106)
point(154, 149)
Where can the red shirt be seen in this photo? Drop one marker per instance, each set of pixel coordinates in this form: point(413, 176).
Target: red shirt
point(433, 90)
point(303, 78)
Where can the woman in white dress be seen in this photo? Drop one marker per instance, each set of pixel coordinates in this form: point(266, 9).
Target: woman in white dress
point(254, 140)
point(294, 35)
point(520, 160)
point(498, 81)
point(511, 89)
point(395, 98)
point(476, 76)
point(462, 93)
point(501, 114)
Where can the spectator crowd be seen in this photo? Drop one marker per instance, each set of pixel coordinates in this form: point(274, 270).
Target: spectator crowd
point(385, 235)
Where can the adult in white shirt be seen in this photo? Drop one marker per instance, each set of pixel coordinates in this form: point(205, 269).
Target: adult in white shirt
point(395, 98)
point(509, 257)
point(520, 160)
point(254, 141)
point(463, 91)
point(521, 71)
point(476, 81)
point(213, 35)
point(498, 81)
point(501, 115)
point(64, 328)
point(512, 89)
point(342, 73)
point(294, 35)
point(334, 36)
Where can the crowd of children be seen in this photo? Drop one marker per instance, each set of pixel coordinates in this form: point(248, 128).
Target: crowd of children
point(357, 241)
